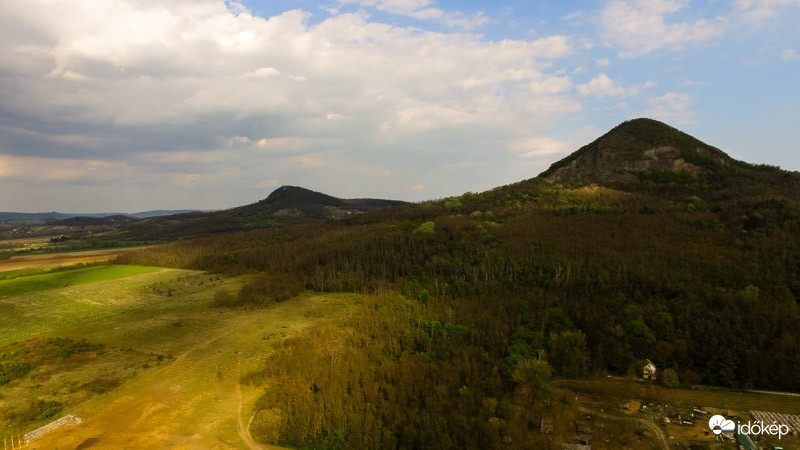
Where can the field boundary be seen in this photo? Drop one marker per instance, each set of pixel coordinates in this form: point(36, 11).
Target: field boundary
point(35, 261)
point(69, 419)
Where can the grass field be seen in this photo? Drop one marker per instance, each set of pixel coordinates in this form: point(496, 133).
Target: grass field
point(180, 359)
point(48, 281)
point(60, 259)
point(41, 305)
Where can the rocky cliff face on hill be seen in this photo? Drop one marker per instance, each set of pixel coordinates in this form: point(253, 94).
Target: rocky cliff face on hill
point(634, 148)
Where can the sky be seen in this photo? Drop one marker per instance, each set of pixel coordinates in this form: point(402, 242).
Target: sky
point(132, 105)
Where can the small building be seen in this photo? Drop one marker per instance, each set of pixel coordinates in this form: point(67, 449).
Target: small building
point(649, 370)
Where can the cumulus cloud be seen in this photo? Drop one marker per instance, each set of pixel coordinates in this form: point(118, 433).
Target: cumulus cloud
point(539, 147)
point(147, 85)
point(672, 107)
point(264, 72)
point(423, 10)
point(603, 86)
point(49, 170)
point(642, 26)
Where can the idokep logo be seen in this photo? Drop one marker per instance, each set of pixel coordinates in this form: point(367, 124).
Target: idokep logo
point(719, 424)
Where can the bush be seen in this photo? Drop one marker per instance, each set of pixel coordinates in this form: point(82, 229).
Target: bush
point(102, 385)
point(224, 299)
point(13, 370)
point(425, 228)
point(261, 291)
point(669, 378)
point(37, 410)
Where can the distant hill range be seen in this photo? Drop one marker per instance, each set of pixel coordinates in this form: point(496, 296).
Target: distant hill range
point(53, 215)
point(642, 156)
point(287, 205)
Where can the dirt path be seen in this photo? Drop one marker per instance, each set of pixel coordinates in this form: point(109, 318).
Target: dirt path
point(650, 425)
point(244, 430)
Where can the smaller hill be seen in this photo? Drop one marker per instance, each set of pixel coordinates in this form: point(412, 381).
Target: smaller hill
point(305, 205)
point(286, 206)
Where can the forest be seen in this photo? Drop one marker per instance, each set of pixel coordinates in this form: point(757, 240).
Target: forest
point(477, 301)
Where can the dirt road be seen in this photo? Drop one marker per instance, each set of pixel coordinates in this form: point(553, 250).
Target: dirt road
point(650, 425)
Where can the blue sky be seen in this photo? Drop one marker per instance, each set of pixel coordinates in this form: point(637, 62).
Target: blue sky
point(135, 105)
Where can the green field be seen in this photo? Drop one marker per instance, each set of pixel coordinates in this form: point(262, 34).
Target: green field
point(26, 285)
point(166, 372)
point(40, 305)
point(11, 274)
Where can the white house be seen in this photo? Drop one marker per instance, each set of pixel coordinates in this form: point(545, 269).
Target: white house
point(649, 370)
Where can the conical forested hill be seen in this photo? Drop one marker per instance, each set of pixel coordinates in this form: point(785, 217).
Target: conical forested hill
point(648, 154)
point(285, 206)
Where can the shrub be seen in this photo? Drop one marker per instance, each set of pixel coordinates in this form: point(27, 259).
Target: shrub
point(37, 410)
point(224, 299)
point(102, 384)
point(425, 228)
point(669, 378)
point(261, 291)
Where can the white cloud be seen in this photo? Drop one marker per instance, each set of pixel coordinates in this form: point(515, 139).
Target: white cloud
point(761, 10)
point(641, 26)
point(264, 72)
point(465, 21)
point(603, 86)
point(49, 170)
point(551, 86)
point(538, 147)
point(423, 10)
point(311, 160)
point(673, 107)
point(189, 92)
point(790, 55)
